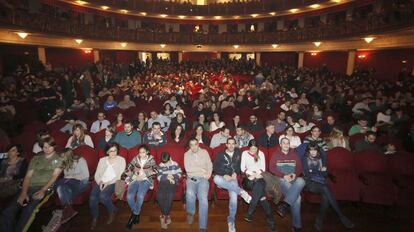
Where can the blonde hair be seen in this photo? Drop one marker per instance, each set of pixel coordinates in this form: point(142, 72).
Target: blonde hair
point(68, 158)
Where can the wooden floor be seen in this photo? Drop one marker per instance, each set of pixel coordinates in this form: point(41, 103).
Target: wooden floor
point(366, 218)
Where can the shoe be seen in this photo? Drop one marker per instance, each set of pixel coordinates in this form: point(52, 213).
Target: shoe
point(294, 229)
point(131, 221)
point(232, 227)
point(68, 214)
point(163, 222)
point(137, 219)
point(190, 219)
point(111, 217)
point(272, 225)
point(93, 224)
point(248, 218)
point(346, 222)
point(245, 196)
point(318, 224)
point(282, 208)
point(203, 230)
point(168, 219)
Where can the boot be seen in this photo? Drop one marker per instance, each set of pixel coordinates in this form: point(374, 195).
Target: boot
point(131, 221)
point(282, 208)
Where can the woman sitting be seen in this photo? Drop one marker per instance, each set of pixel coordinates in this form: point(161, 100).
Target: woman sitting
point(119, 122)
point(79, 138)
point(199, 134)
point(216, 123)
point(177, 136)
point(337, 139)
point(108, 138)
point(315, 173)
point(168, 176)
point(139, 178)
point(291, 135)
point(74, 182)
point(12, 171)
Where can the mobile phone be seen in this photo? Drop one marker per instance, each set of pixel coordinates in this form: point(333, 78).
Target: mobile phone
point(193, 179)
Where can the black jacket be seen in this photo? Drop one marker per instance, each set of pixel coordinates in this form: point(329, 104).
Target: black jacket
point(226, 165)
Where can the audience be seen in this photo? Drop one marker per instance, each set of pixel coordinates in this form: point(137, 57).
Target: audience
point(79, 138)
point(99, 124)
point(128, 138)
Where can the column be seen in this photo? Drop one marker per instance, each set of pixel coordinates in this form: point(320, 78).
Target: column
point(257, 56)
point(351, 62)
point(180, 57)
point(95, 56)
point(300, 59)
point(41, 54)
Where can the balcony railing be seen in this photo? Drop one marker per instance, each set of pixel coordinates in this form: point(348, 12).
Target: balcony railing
point(47, 24)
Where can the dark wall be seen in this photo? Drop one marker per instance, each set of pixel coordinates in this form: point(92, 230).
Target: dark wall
point(199, 56)
point(64, 57)
point(335, 61)
point(13, 55)
point(275, 58)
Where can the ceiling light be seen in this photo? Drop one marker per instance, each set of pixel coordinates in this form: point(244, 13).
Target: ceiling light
point(217, 17)
point(236, 16)
point(163, 45)
point(181, 16)
point(123, 44)
point(368, 39)
point(274, 45)
point(294, 10)
point(124, 11)
point(272, 13)
point(143, 13)
point(317, 44)
point(199, 17)
point(105, 7)
point(314, 6)
point(163, 15)
point(236, 46)
point(81, 2)
point(78, 41)
point(22, 34)
point(254, 15)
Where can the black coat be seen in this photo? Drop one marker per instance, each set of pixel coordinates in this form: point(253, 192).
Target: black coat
point(226, 165)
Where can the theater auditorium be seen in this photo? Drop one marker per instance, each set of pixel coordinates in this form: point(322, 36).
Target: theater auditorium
point(207, 115)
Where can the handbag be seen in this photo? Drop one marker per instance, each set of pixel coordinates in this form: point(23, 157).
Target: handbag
point(120, 187)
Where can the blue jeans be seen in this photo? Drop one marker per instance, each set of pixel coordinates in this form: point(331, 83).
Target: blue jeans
point(198, 189)
point(103, 196)
point(291, 191)
point(67, 189)
point(234, 190)
point(136, 194)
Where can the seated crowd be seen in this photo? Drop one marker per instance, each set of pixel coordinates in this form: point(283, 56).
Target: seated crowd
point(233, 107)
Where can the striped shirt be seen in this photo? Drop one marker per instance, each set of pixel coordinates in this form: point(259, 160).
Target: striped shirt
point(164, 169)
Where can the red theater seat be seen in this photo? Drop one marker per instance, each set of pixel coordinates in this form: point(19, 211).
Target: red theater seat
point(402, 169)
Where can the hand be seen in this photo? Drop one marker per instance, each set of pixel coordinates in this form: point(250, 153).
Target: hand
point(234, 176)
point(39, 194)
point(102, 186)
point(170, 177)
point(22, 198)
point(227, 177)
point(374, 129)
point(288, 178)
point(293, 176)
point(323, 169)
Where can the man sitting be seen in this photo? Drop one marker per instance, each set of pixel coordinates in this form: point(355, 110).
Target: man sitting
point(128, 138)
point(155, 137)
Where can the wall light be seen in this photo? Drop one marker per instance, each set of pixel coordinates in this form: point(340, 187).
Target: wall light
point(181, 16)
point(314, 6)
point(272, 13)
point(22, 34)
point(163, 15)
point(199, 17)
point(124, 11)
point(123, 44)
point(369, 39)
point(81, 2)
point(314, 53)
point(78, 41)
point(143, 13)
point(218, 17)
point(294, 10)
point(163, 45)
point(87, 50)
point(317, 43)
point(404, 61)
point(274, 45)
point(236, 46)
point(254, 15)
point(105, 7)
point(362, 56)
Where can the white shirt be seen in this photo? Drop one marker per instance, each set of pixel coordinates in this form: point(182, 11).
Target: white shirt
point(88, 141)
point(95, 125)
point(214, 126)
point(109, 173)
point(249, 166)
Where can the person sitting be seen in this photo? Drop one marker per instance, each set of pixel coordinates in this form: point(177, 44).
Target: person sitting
point(108, 138)
point(140, 174)
point(201, 120)
point(109, 170)
point(129, 138)
point(315, 136)
point(40, 135)
point(119, 122)
point(226, 168)
point(43, 171)
point(198, 166)
point(77, 105)
point(168, 176)
point(70, 123)
point(140, 124)
point(177, 136)
point(110, 103)
point(361, 127)
point(234, 123)
point(328, 125)
point(291, 135)
point(242, 137)
point(79, 138)
point(161, 119)
point(126, 103)
point(286, 164)
point(180, 120)
point(60, 114)
point(253, 164)
point(280, 123)
point(220, 138)
point(216, 123)
point(200, 135)
point(99, 124)
point(168, 112)
point(368, 143)
point(155, 138)
point(337, 139)
point(74, 182)
point(315, 173)
point(268, 138)
point(254, 125)
point(13, 168)
point(303, 126)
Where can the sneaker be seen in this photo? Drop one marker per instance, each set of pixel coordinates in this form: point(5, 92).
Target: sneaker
point(346, 222)
point(282, 208)
point(190, 219)
point(111, 217)
point(93, 224)
point(68, 214)
point(163, 222)
point(168, 219)
point(248, 218)
point(272, 226)
point(245, 196)
point(232, 227)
